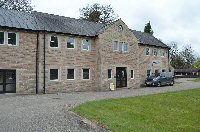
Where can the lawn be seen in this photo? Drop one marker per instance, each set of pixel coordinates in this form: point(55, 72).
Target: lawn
point(174, 112)
point(196, 80)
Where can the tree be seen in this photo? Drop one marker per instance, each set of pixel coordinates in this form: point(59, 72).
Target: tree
point(19, 5)
point(187, 54)
point(181, 59)
point(148, 29)
point(197, 64)
point(98, 13)
point(174, 53)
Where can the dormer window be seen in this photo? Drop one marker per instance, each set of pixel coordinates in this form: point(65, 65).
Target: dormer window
point(120, 28)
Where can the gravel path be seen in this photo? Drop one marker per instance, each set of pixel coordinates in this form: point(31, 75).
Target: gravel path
point(51, 112)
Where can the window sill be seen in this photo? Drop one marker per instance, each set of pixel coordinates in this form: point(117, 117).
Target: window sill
point(55, 80)
point(70, 79)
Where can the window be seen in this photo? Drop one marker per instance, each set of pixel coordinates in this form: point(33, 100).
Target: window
point(109, 73)
point(120, 46)
point(163, 53)
point(148, 73)
point(155, 51)
point(54, 75)
point(86, 74)
point(120, 28)
point(2, 38)
point(71, 43)
point(54, 42)
point(70, 74)
point(115, 46)
point(132, 74)
point(86, 45)
point(12, 39)
point(147, 51)
point(125, 47)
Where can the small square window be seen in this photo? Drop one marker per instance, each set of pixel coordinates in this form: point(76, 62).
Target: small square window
point(86, 45)
point(86, 74)
point(2, 39)
point(115, 46)
point(155, 51)
point(70, 74)
point(71, 43)
point(54, 42)
point(125, 47)
point(109, 73)
point(12, 39)
point(54, 74)
point(148, 73)
point(147, 51)
point(132, 74)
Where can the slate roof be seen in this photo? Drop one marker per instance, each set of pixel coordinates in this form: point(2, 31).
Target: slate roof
point(148, 39)
point(37, 21)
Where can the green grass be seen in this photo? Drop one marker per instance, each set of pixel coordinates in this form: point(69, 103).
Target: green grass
point(169, 112)
point(196, 80)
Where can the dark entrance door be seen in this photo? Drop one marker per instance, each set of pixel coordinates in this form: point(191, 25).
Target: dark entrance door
point(7, 81)
point(121, 77)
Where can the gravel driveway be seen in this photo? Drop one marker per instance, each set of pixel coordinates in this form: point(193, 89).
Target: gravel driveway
point(51, 112)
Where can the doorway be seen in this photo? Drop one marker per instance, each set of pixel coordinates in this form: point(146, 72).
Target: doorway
point(121, 77)
point(7, 81)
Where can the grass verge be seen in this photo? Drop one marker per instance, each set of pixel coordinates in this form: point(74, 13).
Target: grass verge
point(174, 112)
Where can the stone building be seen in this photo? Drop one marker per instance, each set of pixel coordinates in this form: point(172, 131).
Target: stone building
point(48, 53)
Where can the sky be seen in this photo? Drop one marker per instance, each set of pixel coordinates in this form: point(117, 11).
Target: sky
point(171, 20)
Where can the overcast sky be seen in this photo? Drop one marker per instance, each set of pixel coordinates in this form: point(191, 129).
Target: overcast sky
point(171, 20)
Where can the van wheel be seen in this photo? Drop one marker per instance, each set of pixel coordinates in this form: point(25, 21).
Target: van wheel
point(158, 85)
point(172, 83)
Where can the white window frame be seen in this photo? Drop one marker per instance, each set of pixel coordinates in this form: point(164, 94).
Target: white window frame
point(17, 38)
point(50, 42)
point(124, 45)
point(88, 45)
point(117, 45)
point(89, 73)
point(74, 43)
point(57, 80)
point(133, 74)
point(163, 55)
point(146, 51)
point(4, 33)
point(111, 74)
point(74, 74)
point(156, 51)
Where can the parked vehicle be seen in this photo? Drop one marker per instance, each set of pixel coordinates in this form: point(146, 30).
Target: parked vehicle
point(164, 78)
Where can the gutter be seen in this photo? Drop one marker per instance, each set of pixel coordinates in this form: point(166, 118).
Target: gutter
point(44, 64)
point(37, 62)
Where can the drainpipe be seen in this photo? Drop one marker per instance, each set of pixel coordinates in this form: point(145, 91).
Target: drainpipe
point(37, 58)
point(44, 64)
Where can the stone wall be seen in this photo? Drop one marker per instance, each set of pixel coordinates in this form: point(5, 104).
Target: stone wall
point(146, 62)
point(110, 59)
point(21, 58)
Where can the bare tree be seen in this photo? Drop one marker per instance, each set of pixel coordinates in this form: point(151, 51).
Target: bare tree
point(19, 5)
